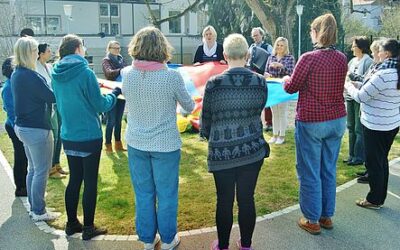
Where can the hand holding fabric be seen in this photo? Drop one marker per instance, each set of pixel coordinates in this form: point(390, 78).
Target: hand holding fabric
point(117, 91)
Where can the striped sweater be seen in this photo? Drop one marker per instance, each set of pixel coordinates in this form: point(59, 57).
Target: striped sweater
point(380, 100)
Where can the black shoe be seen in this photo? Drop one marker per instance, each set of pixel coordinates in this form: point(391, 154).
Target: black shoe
point(359, 174)
point(346, 160)
point(92, 231)
point(21, 192)
point(73, 227)
point(268, 128)
point(363, 179)
point(355, 163)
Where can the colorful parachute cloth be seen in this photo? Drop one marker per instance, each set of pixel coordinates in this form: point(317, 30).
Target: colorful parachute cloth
point(196, 77)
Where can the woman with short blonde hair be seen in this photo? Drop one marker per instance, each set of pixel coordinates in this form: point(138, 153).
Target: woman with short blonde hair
point(209, 50)
point(236, 145)
point(152, 92)
point(33, 99)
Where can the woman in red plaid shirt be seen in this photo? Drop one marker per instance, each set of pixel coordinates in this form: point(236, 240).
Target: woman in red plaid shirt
point(320, 123)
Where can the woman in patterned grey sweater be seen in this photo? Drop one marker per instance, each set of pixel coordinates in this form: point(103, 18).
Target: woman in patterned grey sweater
point(232, 106)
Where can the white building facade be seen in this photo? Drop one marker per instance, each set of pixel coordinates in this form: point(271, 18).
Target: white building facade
point(99, 21)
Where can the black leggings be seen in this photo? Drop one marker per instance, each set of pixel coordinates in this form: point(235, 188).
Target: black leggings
point(84, 169)
point(244, 178)
point(20, 161)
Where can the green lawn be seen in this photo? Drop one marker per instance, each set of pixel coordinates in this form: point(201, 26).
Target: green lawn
point(277, 185)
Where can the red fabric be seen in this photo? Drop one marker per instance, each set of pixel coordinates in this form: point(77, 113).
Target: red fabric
point(319, 78)
point(201, 73)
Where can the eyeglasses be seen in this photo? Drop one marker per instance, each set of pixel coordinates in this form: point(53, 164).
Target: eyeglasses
point(118, 48)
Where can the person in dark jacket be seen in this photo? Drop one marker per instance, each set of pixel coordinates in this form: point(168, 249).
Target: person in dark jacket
point(32, 101)
point(112, 65)
point(79, 102)
point(20, 161)
point(231, 122)
point(210, 50)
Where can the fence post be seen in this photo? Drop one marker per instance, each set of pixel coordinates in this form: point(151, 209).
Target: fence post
point(181, 49)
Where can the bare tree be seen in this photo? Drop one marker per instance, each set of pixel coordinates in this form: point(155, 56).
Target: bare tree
point(158, 21)
point(9, 22)
point(276, 16)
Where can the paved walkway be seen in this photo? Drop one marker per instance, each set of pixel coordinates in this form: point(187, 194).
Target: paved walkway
point(355, 228)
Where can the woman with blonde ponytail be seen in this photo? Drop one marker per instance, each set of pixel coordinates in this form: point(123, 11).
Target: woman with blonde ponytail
point(320, 123)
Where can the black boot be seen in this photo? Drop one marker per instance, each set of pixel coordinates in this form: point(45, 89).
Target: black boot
point(73, 227)
point(92, 231)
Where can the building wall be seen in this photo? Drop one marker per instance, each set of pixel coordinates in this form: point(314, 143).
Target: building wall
point(86, 23)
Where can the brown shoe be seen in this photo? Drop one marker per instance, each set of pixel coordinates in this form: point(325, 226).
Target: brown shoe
point(54, 174)
point(60, 170)
point(326, 223)
point(312, 228)
point(108, 148)
point(118, 146)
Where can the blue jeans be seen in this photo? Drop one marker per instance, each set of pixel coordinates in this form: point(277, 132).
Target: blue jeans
point(114, 121)
point(317, 150)
point(155, 178)
point(38, 144)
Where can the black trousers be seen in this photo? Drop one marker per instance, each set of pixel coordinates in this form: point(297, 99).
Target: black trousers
point(377, 147)
point(84, 169)
point(20, 161)
point(244, 179)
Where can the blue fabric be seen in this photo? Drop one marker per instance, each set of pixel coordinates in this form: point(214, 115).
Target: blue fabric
point(8, 102)
point(317, 150)
point(79, 99)
point(38, 144)
point(276, 93)
point(155, 177)
point(32, 99)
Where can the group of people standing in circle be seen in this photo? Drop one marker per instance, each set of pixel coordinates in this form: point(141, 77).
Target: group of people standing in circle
point(231, 122)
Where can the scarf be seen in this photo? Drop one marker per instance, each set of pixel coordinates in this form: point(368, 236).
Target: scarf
point(148, 65)
point(389, 63)
point(316, 47)
point(116, 60)
point(209, 52)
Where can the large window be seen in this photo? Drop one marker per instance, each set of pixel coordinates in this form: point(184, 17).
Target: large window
point(109, 18)
point(38, 24)
point(175, 24)
point(106, 8)
point(105, 28)
point(115, 29)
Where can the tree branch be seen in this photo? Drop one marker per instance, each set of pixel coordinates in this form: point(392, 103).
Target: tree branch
point(157, 22)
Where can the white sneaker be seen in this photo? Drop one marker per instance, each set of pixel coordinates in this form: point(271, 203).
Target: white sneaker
point(280, 140)
point(272, 140)
point(171, 246)
point(46, 216)
point(151, 246)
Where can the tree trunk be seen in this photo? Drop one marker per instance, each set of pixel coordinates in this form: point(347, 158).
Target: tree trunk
point(263, 13)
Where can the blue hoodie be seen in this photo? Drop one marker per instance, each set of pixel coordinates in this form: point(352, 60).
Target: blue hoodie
point(79, 102)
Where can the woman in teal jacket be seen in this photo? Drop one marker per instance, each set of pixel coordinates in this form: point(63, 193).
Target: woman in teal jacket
point(79, 102)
